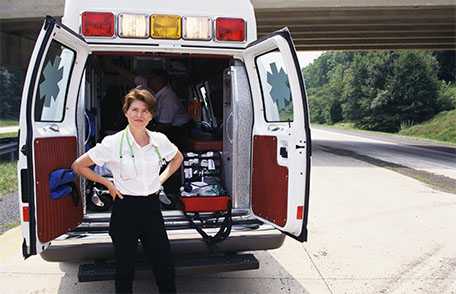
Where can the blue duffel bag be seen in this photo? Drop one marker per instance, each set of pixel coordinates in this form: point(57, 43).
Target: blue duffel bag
point(61, 184)
point(60, 177)
point(61, 191)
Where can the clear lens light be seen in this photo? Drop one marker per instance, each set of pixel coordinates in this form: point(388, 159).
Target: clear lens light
point(165, 26)
point(197, 28)
point(133, 26)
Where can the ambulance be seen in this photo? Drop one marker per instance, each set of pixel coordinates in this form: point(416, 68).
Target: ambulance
point(255, 114)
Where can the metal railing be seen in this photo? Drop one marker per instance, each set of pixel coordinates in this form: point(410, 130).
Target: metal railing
point(9, 146)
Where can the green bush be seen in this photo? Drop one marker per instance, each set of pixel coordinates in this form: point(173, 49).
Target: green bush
point(376, 90)
point(447, 96)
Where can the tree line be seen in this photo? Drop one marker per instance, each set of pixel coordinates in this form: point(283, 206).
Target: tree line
point(380, 90)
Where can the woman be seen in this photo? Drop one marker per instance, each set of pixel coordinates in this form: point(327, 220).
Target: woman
point(134, 156)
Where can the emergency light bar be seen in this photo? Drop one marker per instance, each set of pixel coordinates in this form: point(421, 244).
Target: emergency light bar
point(133, 26)
point(97, 24)
point(165, 26)
point(162, 26)
point(196, 28)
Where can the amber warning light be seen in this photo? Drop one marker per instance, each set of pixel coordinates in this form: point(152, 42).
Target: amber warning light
point(98, 24)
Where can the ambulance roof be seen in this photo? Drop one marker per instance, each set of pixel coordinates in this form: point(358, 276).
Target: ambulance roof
point(210, 8)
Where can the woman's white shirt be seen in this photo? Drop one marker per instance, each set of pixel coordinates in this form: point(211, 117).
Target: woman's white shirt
point(138, 175)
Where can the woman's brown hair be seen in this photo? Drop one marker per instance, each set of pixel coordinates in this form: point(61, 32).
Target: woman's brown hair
point(140, 95)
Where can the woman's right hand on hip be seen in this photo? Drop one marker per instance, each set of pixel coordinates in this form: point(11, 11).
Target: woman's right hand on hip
point(113, 191)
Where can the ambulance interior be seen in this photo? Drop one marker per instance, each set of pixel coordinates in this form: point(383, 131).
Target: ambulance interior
point(200, 84)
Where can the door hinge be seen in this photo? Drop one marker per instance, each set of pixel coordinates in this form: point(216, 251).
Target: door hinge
point(24, 150)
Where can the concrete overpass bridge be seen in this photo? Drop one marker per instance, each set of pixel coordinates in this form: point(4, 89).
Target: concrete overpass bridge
point(354, 24)
point(315, 25)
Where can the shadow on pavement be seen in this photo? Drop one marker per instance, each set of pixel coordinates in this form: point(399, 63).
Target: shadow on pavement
point(270, 278)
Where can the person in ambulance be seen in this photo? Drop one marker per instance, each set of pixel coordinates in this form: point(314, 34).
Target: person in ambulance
point(134, 156)
point(171, 118)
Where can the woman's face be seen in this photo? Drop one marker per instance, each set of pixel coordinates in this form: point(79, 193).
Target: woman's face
point(138, 115)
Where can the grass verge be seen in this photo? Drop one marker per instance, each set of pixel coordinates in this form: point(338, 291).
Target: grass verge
point(345, 126)
point(8, 177)
point(8, 123)
point(441, 127)
point(8, 135)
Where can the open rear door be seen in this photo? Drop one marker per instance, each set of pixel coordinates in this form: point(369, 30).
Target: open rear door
point(281, 146)
point(48, 134)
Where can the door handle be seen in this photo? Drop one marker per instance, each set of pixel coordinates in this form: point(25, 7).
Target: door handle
point(283, 152)
point(300, 146)
point(274, 128)
point(54, 128)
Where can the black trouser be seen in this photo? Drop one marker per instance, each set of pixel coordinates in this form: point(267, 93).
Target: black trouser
point(133, 218)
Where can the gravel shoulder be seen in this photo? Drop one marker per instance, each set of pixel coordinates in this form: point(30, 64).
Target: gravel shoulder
point(9, 212)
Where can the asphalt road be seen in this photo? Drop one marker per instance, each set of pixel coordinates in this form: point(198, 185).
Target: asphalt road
point(423, 155)
point(371, 230)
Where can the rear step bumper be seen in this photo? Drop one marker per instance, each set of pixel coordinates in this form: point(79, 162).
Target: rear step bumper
point(184, 265)
point(98, 246)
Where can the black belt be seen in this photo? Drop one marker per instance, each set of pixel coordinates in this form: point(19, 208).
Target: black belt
point(141, 196)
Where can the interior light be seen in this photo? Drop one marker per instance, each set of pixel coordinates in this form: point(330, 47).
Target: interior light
point(196, 28)
point(230, 29)
point(165, 26)
point(97, 24)
point(133, 26)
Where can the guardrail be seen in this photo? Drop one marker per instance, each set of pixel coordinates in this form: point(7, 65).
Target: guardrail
point(9, 146)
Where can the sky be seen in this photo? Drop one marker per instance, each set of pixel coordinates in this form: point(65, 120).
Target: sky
point(306, 57)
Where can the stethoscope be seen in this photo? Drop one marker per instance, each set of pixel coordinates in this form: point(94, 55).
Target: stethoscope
point(161, 160)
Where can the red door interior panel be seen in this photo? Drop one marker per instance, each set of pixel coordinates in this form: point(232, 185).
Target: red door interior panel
point(269, 181)
point(54, 217)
